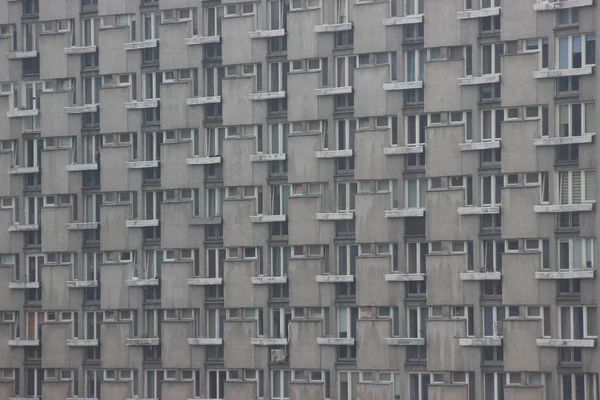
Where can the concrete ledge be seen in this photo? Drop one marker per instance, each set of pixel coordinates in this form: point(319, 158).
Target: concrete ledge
point(82, 226)
point(268, 280)
point(399, 150)
point(334, 216)
point(23, 285)
point(404, 277)
point(480, 342)
point(566, 274)
point(474, 146)
point(329, 28)
point(205, 341)
point(263, 34)
point(142, 341)
point(80, 50)
point(393, 341)
point(145, 44)
point(86, 108)
point(143, 282)
point(334, 278)
point(332, 91)
point(330, 341)
point(480, 276)
point(81, 284)
point(557, 208)
point(198, 101)
point(406, 20)
point(264, 157)
point(565, 342)
point(141, 223)
point(82, 167)
point(402, 85)
point(268, 341)
point(405, 213)
point(557, 141)
point(334, 153)
point(140, 105)
point(203, 160)
point(472, 210)
point(195, 40)
point(267, 218)
point(19, 55)
point(484, 12)
point(545, 5)
point(559, 73)
point(23, 170)
point(23, 228)
point(82, 342)
point(204, 281)
point(479, 80)
point(24, 342)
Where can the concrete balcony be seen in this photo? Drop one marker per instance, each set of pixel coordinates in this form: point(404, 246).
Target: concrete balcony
point(404, 277)
point(265, 34)
point(24, 342)
point(476, 146)
point(479, 80)
point(401, 150)
point(481, 276)
point(142, 282)
point(82, 167)
point(402, 85)
point(558, 208)
point(332, 28)
point(77, 50)
point(82, 226)
point(201, 221)
point(20, 55)
point(334, 153)
point(560, 73)
point(333, 91)
point(142, 341)
point(23, 227)
point(86, 108)
point(547, 342)
point(481, 342)
point(263, 96)
point(405, 213)
point(262, 341)
point(406, 20)
point(144, 44)
point(334, 278)
point(260, 219)
point(76, 284)
point(23, 170)
point(558, 141)
point(335, 341)
point(142, 164)
point(481, 13)
point(142, 104)
point(23, 285)
point(398, 341)
point(205, 341)
point(265, 157)
point(82, 342)
point(204, 281)
point(547, 5)
point(198, 101)
point(141, 223)
point(204, 160)
point(199, 40)
point(483, 210)
point(268, 280)
point(566, 274)
point(334, 216)
point(20, 113)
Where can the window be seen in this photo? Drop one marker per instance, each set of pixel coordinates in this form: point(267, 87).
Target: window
point(346, 192)
point(577, 187)
point(415, 65)
point(576, 119)
point(491, 59)
point(491, 124)
point(576, 254)
point(416, 190)
point(344, 72)
point(491, 190)
point(576, 51)
point(578, 322)
point(281, 384)
point(492, 255)
point(579, 386)
point(347, 317)
point(415, 127)
point(567, 16)
point(493, 385)
point(418, 385)
point(493, 318)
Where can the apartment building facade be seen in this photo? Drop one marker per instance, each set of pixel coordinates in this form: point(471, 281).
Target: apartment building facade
point(298, 200)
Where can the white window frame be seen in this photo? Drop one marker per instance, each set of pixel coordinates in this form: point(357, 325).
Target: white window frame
point(587, 244)
point(570, 51)
point(571, 309)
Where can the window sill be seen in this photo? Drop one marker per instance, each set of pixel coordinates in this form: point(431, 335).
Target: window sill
point(568, 95)
point(566, 27)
